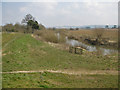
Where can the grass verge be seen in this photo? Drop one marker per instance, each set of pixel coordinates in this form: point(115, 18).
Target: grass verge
point(52, 80)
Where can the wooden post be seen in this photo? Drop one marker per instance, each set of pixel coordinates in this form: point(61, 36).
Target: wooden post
point(75, 50)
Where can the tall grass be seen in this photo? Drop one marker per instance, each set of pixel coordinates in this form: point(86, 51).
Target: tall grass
point(50, 36)
point(111, 34)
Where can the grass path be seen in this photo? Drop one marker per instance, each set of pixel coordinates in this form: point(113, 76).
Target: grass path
point(93, 72)
point(10, 42)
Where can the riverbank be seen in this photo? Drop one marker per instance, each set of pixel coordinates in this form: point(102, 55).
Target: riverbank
point(62, 38)
point(26, 53)
point(109, 37)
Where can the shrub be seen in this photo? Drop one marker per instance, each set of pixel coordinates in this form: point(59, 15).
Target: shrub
point(47, 35)
point(98, 33)
point(41, 27)
point(50, 36)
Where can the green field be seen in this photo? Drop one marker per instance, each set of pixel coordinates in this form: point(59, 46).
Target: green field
point(22, 52)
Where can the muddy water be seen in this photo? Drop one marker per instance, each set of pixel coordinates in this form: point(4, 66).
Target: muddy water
point(89, 48)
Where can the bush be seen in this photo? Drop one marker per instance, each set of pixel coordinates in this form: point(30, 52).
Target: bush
point(41, 27)
point(8, 28)
point(47, 35)
point(98, 33)
point(50, 36)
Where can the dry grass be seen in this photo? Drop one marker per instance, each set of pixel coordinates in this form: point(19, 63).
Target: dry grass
point(47, 35)
point(50, 36)
point(112, 34)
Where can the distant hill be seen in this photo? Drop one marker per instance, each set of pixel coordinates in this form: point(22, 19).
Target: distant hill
point(85, 26)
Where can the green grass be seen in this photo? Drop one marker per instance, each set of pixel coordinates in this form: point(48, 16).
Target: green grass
point(23, 52)
point(52, 80)
point(7, 37)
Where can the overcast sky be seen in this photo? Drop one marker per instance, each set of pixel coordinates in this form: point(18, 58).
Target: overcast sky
point(53, 14)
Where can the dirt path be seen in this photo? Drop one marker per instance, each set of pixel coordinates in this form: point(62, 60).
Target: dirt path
point(101, 72)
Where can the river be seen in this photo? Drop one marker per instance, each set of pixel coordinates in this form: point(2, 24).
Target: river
point(90, 48)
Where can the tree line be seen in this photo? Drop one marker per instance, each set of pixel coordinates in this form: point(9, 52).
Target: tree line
point(28, 25)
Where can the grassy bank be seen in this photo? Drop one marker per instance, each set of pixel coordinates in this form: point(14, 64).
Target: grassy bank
point(25, 52)
point(22, 52)
point(51, 80)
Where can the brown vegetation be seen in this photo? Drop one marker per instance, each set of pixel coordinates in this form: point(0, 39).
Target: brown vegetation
point(112, 34)
point(105, 36)
point(50, 36)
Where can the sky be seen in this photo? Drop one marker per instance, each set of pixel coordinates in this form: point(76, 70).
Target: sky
point(53, 14)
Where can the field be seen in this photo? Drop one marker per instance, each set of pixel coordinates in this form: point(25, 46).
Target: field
point(52, 67)
point(111, 34)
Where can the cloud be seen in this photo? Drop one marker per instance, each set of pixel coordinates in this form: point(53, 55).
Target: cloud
point(23, 9)
point(43, 8)
point(63, 13)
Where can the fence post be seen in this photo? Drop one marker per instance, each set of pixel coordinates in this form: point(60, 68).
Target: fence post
point(75, 50)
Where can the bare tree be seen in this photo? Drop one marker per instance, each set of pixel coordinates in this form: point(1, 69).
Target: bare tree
point(98, 33)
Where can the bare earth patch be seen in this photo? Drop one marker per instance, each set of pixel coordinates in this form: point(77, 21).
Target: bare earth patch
point(101, 72)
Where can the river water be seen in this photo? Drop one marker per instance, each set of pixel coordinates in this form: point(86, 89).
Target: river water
point(104, 51)
point(89, 48)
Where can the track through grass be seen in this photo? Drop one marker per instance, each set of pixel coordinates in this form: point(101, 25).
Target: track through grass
point(24, 53)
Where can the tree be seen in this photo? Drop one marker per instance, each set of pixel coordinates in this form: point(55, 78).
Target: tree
point(0, 28)
point(77, 28)
point(71, 29)
point(31, 22)
point(17, 27)
point(99, 34)
point(41, 27)
point(115, 26)
point(35, 25)
point(106, 26)
point(8, 28)
point(27, 18)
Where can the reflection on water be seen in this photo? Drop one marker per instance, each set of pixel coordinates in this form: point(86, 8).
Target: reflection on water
point(89, 48)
